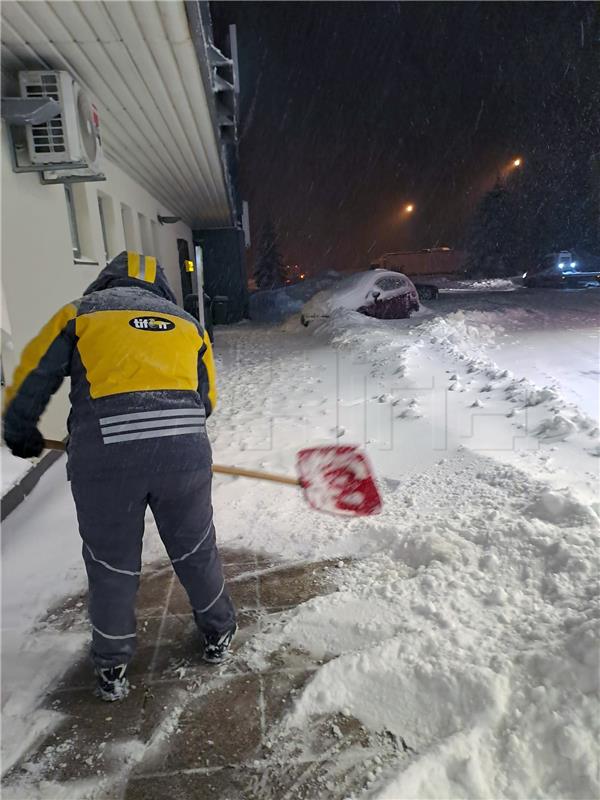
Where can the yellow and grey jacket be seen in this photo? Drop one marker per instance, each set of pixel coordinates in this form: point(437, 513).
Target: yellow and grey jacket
point(142, 375)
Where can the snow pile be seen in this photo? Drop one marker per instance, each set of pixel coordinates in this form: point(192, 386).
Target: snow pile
point(382, 344)
point(470, 337)
point(276, 304)
point(458, 334)
point(342, 325)
point(561, 508)
point(412, 410)
point(557, 428)
point(473, 634)
point(485, 285)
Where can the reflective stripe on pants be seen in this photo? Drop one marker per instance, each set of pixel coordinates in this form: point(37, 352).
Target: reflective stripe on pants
point(111, 513)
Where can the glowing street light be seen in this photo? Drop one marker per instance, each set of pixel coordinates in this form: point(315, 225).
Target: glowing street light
point(409, 208)
point(517, 162)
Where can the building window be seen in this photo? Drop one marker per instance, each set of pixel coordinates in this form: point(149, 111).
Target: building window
point(72, 221)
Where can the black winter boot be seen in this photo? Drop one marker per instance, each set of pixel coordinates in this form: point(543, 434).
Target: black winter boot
point(216, 645)
point(112, 683)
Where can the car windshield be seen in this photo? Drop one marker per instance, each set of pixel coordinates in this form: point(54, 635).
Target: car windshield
point(390, 283)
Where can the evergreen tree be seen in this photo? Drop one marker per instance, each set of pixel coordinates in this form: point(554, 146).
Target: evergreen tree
point(269, 271)
point(552, 205)
point(491, 241)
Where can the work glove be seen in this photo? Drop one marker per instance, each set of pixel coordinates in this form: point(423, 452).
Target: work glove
point(29, 446)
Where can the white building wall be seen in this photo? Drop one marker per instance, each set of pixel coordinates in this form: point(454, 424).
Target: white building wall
point(39, 272)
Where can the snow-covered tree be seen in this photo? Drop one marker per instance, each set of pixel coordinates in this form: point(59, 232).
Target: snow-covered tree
point(269, 271)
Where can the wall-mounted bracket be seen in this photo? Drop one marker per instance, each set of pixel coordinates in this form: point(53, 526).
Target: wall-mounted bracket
point(29, 110)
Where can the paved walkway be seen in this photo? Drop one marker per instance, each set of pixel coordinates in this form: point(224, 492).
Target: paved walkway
point(189, 730)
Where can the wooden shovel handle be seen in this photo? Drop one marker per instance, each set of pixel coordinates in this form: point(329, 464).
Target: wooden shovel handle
point(55, 444)
point(251, 473)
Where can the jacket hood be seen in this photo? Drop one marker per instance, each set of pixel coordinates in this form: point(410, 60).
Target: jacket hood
point(133, 269)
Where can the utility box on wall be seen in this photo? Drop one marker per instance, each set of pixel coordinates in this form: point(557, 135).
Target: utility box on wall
point(224, 270)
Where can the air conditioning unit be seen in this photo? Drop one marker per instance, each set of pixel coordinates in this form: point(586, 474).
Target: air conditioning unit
point(71, 139)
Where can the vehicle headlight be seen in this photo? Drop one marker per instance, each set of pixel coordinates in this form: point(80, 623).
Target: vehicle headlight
point(573, 263)
point(561, 265)
point(524, 274)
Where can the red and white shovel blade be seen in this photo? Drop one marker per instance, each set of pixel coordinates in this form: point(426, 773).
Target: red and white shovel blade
point(338, 479)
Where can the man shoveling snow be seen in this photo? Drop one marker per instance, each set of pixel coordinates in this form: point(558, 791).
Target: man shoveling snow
point(142, 385)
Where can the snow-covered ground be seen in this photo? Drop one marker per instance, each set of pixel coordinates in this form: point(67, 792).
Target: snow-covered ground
point(41, 568)
point(466, 618)
point(569, 360)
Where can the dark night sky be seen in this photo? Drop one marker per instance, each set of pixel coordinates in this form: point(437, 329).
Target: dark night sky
point(349, 110)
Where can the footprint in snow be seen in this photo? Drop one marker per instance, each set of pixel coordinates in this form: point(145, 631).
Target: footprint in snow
point(412, 412)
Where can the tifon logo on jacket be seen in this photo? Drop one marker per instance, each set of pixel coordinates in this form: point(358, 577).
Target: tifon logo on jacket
point(152, 324)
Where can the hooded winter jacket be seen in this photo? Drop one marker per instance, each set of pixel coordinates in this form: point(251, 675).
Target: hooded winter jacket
point(142, 375)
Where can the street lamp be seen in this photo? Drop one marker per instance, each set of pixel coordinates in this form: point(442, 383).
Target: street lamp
point(517, 162)
point(409, 208)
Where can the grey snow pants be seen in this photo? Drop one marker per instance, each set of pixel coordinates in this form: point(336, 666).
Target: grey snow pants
point(110, 512)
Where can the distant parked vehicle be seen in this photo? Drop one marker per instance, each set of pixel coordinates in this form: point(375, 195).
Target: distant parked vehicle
point(377, 293)
point(564, 269)
point(425, 266)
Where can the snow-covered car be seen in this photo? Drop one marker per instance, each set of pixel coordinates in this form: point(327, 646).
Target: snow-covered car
point(564, 269)
point(377, 293)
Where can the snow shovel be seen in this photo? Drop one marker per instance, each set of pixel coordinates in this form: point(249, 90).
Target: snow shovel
point(335, 478)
